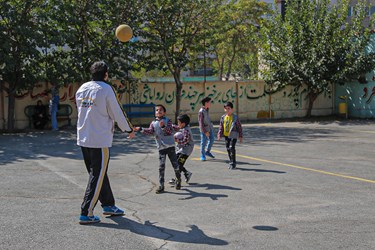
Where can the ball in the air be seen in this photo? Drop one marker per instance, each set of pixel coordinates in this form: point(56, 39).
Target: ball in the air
point(124, 33)
point(179, 136)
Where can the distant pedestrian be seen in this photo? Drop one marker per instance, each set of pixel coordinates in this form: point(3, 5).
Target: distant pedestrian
point(230, 127)
point(185, 145)
point(40, 116)
point(54, 107)
point(206, 129)
point(161, 128)
point(98, 110)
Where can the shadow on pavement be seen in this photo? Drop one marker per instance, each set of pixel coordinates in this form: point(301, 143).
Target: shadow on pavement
point(264, 134)
point(192, 194)
point(209, 186)
point(265, 228)
point(193, 235)
point(260, 170)
point(41, 145)
point(260, 135)
point(238, 162)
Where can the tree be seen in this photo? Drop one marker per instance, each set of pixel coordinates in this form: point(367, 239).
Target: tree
point(316, 46)
point(19, 54)
point(55, 62)
point(235, 36)
point(171, 29)
point(83, 32)
point(57, 41)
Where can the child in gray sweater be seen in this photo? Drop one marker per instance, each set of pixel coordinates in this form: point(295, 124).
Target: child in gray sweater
point(161, 128)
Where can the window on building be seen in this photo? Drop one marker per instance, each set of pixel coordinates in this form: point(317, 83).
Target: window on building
point(369, 10)
point(350, 11)
point(271, 6)
point(372, 10)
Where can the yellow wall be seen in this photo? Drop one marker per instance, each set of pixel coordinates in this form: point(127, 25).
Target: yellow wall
point(252, 101)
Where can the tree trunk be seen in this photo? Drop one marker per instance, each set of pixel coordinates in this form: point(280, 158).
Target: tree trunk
point(220, 65)
point(176, 76)
point(11, 108)
point(230, 65)
point(221, 69)
point(312, 97)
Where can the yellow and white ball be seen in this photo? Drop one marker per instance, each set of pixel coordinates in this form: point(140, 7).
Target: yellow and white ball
point(124, 33)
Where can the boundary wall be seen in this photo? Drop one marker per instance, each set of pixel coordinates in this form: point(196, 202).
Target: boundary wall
point(251, 100)
point(357, 97)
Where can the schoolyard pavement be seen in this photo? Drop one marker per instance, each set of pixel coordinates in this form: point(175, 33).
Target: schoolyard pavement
point(298, 185)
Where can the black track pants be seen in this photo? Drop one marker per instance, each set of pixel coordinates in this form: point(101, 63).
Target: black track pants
point(98, 187)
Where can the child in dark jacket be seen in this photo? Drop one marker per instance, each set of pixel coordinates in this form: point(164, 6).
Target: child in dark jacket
point(162, 129)
point(230, 127)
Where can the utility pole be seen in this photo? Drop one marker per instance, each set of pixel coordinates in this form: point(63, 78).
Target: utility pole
point(282, 7)
point(204, 58)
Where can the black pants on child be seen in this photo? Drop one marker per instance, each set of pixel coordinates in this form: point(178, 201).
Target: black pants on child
point(181, 159)
point(171, 152)
point(230, 144)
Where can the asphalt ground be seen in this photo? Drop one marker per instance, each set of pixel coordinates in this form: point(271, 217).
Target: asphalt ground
point(298, 185)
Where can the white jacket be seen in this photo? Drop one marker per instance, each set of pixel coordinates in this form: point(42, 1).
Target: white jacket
point(98, 110)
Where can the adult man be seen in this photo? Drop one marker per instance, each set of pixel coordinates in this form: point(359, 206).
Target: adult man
point(98, 110)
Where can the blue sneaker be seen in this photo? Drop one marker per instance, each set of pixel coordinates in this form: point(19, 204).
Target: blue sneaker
point(112, 210)
point(210, 154)
point(84, 220)
point(203, 158)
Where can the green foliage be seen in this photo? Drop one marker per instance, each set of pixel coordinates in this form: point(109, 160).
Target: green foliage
point(86, 34)
point(171, 30)
point(19, 44)
point(57, 41)
point(233, 35)
point(316, 45)
point(19, 51)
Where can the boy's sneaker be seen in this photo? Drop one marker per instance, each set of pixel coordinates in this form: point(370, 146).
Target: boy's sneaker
point(112, 210)
point(210, 154)
point(84, 219)
point(232, 166)
point(188, 176)
point(178, 184)
point(203, 158)
point(160, 190)
point(172, 181)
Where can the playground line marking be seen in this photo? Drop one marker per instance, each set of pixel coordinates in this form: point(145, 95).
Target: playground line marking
point(298, 167)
